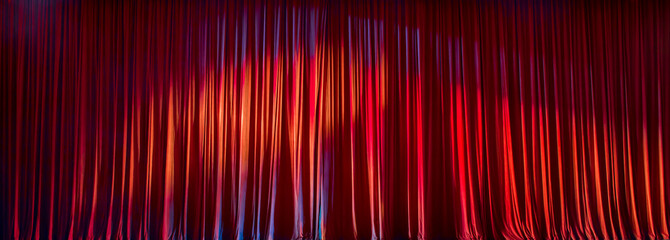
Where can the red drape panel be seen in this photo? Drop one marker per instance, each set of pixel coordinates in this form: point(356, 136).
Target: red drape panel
point(335, 120)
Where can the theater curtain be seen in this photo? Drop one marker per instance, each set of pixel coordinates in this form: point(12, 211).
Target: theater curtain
point(334, 120)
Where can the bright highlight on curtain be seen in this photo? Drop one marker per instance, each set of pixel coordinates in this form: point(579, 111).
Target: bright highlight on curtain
point(334, 120)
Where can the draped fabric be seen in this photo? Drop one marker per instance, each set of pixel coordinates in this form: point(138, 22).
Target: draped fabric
point(334, 120)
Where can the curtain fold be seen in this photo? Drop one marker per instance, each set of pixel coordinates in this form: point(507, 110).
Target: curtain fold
point(334, 120)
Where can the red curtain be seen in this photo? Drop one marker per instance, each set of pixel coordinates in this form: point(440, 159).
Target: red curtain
point(335, 120)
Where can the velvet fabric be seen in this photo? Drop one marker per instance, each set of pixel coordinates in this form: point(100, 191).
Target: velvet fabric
point(334, 120)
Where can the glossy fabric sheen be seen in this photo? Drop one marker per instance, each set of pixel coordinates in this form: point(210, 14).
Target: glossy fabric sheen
point(334, 120)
